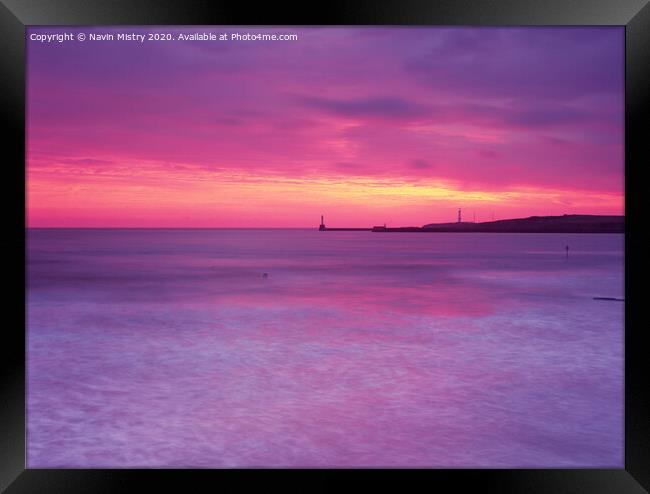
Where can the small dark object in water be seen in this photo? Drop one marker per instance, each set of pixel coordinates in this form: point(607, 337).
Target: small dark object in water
point(610, 298)
point(265, 275)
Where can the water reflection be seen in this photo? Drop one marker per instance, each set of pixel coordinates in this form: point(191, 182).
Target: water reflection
point(170, 348)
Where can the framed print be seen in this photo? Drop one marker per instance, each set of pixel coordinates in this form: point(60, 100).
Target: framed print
point(378, 239)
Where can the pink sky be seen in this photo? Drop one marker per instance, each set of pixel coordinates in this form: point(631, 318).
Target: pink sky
point(365, 125)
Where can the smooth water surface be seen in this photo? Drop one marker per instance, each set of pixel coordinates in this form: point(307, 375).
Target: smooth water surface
point(170, 348)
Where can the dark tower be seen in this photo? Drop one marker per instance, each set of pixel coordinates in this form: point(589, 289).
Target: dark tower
point(322, 224)
point(458, 215)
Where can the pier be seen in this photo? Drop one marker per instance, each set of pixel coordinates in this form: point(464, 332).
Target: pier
point(323, 228)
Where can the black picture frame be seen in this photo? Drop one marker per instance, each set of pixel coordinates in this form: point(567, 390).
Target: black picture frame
point(15, 15)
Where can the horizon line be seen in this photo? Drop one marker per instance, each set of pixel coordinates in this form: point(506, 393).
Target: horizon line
point(275, 227)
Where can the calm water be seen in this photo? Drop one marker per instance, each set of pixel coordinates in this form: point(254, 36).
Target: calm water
point(170, 348)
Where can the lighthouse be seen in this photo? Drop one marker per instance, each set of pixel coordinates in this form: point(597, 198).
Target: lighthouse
point(458, 215)
point(321, 228)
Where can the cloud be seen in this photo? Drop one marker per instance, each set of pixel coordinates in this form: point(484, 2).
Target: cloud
point(546, 116)
point(420, 164)
point(548, 64)
point(387, 107)
point(482, 108)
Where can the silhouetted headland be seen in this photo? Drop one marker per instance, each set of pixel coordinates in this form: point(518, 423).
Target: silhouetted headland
point(568, 223)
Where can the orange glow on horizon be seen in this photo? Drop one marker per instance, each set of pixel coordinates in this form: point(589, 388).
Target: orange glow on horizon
point(143, 196)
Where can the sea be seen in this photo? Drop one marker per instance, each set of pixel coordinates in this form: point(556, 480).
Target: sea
point(219, 348)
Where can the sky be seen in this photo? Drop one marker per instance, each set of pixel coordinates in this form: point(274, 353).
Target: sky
point(367, 126)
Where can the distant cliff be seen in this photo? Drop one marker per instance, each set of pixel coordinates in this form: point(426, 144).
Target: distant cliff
point(571, 223)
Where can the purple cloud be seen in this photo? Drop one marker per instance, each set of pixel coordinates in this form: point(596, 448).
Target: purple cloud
point(379, 107)
point(537, 106)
